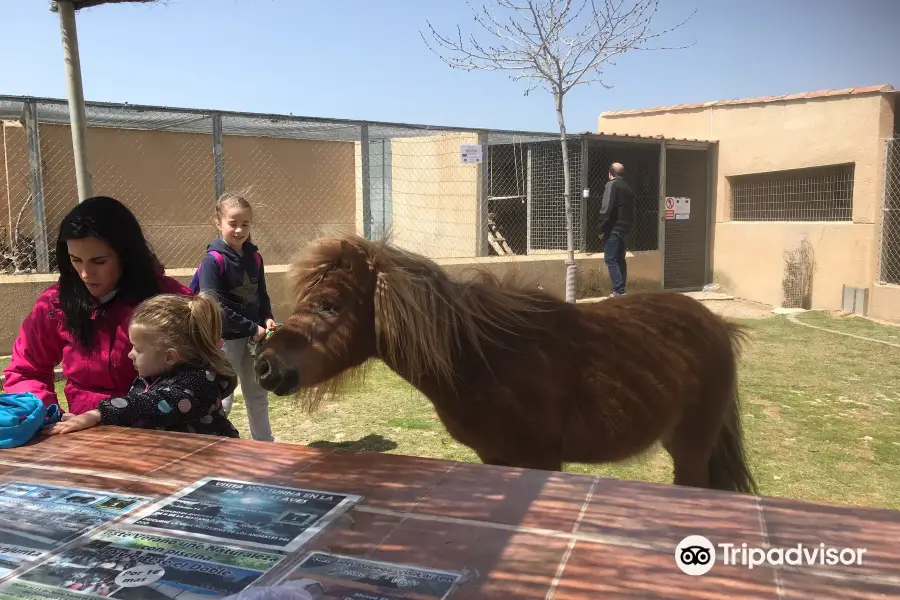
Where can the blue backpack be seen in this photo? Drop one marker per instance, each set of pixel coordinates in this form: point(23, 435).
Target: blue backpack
point(195, 280)
point(21, 416)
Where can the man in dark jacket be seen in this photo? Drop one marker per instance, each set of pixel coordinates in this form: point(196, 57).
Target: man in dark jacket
point(617, 212)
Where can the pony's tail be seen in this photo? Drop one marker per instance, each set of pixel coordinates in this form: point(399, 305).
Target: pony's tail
point(728, 468)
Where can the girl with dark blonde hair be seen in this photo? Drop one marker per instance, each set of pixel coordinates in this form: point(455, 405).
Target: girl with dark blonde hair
point(182, 374)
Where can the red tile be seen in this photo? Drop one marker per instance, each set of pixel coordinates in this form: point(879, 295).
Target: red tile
point(354, 533)
point(873, 88)
point(495, 563)
point(42, 447)
point(790, 522)
point(806, 586)
point(602, 571)
point(248, 460)
point(153, 489)
point(389, 481)
point(65, 479)
point(663, 514)
point(529, 498)
point(132, 451)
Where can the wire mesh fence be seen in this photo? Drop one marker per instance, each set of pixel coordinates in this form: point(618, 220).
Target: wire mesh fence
point(641, 164)
point(810, 194)
point(451, 194)
point(889, 257)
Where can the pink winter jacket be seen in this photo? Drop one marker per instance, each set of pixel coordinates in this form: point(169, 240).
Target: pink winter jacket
point(44, 343)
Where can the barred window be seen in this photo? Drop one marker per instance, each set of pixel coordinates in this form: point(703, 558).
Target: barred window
point(813, 194)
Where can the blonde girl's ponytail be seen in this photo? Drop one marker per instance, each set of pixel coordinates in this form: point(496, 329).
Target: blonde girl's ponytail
point(205, 330)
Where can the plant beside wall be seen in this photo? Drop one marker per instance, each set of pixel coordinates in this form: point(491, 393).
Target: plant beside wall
point(796, 285)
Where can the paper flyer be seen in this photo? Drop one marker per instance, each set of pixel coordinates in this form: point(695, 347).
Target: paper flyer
point(249, 514)
point(118, 563)
point(328, 576)
point(36, 519)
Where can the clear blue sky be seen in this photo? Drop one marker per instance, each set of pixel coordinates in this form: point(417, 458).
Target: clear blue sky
point(365, 59)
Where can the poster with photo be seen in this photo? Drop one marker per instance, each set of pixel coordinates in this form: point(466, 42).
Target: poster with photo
point(117, 563)
point(250, 514)
point(36, 519)
point(328, 576)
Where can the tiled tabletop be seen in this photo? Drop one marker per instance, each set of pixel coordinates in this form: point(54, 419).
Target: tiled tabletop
point(514, 533)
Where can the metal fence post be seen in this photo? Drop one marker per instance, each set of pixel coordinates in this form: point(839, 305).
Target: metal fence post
point(37, 186)
point(585, 192)
point(484, 191)
point(77, 119)
point(661, 234)
point(711, 202)
point(366, 165)
point(218, 156)
point(528, 207)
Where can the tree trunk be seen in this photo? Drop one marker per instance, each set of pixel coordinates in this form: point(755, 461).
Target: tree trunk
point(571, 267)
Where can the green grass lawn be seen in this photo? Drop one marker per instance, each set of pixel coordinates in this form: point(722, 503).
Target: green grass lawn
point(821, 414)
point(854, 325)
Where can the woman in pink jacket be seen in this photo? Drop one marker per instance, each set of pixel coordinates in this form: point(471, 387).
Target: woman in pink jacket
point(106, 268)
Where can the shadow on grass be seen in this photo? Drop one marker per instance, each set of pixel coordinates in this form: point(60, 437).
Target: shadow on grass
point(370, 443)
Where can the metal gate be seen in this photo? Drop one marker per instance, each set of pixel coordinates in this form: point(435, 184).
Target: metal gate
point(686, 218)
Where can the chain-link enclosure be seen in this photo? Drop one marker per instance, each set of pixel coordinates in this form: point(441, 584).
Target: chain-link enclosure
point(641, 162)
point(889, 258)
point(456, 195)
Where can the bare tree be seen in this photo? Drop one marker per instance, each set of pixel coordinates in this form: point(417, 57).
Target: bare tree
point(556, 45)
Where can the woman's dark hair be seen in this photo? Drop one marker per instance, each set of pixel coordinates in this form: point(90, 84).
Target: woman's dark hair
point(111, 221)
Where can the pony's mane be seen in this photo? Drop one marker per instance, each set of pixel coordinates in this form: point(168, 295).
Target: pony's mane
point(424, 320)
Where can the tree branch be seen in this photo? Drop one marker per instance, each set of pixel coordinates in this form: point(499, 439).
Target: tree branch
point(555, 43)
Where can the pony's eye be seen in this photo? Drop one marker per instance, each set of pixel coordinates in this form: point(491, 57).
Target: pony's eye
point(329, 306)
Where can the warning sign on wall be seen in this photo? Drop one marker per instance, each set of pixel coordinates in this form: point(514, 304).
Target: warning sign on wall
point(678, 209)
point(470, 154)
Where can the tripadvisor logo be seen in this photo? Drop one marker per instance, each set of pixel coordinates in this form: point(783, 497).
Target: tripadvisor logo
point(696, 555)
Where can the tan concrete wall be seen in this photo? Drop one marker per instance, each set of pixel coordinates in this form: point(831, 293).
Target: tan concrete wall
point(884, 302)
point(749, 259)
point(434, 197)
point(787, 135)
point(298, 188)
point(358, 195)
point(549, 271)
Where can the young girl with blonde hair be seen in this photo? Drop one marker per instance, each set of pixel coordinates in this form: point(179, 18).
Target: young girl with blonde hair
point(182, 374)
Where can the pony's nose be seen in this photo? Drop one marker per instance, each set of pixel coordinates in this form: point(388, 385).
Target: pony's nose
point(268, 371)
point(274, 376)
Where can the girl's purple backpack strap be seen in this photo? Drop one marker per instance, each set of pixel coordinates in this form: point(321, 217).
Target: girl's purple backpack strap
point(219, 259)
point(258, 260)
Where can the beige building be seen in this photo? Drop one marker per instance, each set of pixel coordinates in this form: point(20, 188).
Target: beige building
point(793, 174)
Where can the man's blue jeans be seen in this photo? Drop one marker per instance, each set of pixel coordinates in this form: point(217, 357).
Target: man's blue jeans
point(614, 257)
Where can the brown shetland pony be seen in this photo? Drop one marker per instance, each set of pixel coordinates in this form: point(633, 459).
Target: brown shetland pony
point(519, 376)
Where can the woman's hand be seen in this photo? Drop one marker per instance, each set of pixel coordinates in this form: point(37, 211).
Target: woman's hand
point(270, 325)
point(74, 423)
